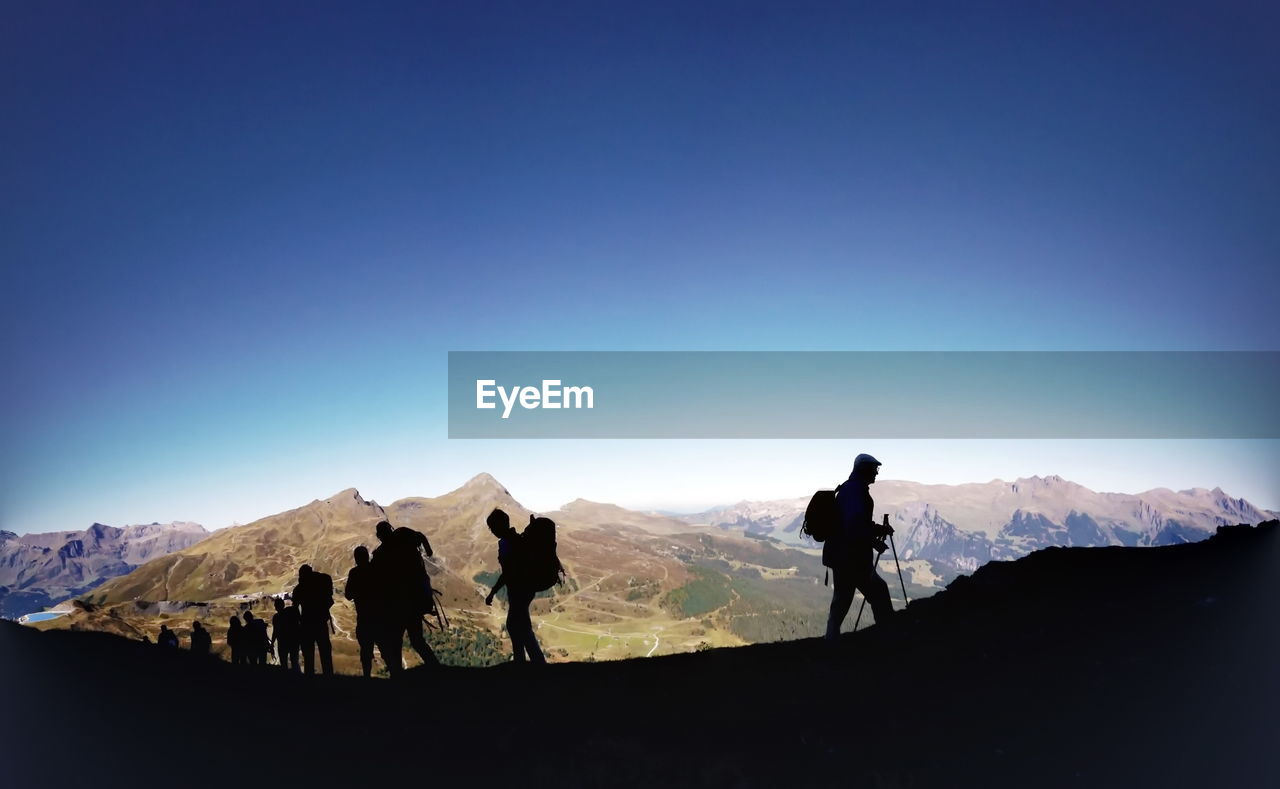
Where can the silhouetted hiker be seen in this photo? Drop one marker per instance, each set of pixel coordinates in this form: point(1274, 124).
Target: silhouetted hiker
point(255, 636)
point(513, 559)
point(850, 550)
point(261, 641)
point(363, 589)
point(284, 634)
point(167, 637)
point(235, 640)
point(402, 577)
point(249, 639)
point(314, 597)
point(201, 641)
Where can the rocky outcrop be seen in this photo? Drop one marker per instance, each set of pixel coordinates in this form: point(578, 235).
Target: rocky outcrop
point(929, 536)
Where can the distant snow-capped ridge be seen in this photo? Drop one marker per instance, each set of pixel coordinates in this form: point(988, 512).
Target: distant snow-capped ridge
point(963, 526)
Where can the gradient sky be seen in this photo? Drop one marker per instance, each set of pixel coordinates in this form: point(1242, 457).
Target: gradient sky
point(239, 238)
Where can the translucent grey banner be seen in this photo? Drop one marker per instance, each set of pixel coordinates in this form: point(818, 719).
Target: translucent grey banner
point(641, 394)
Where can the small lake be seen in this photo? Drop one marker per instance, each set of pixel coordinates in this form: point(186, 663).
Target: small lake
point(43, 616)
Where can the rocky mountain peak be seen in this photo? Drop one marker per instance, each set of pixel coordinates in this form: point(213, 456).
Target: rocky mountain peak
point(99, 531)
point(349, 499)
point(484, 482)
point(349, 494)
point(1037, 481)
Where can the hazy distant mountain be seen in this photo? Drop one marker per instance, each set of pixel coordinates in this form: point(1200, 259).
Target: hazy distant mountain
point(960, 527)
point(38, 570)
point(583, 512)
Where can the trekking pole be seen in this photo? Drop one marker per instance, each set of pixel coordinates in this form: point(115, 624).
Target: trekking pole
point(440, 614)
point(905, 601)
point(859, 619)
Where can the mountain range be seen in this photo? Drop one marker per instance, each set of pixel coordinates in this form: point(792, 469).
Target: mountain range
point(39, 570)
point(639, 584)
point(958, 528)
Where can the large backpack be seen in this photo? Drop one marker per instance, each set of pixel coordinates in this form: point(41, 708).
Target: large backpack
point(821, 517)
point(322, 594)
point(421, 597)
point(541, 567)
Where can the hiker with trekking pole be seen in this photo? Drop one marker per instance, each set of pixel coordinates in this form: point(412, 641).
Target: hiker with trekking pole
point(844, 521)
point(880, 549)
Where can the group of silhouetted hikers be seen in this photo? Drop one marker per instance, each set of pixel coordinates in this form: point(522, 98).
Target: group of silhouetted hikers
point(392, 593)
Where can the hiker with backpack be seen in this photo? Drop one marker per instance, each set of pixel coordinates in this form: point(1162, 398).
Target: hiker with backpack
point(405, 587)
point(201, 641)
point(844, 522)
point(285, 627)
point(314, 597)
point(167, 637)
point(529, 565)
point(236, 642)
point(363, 589)
point(255, 634)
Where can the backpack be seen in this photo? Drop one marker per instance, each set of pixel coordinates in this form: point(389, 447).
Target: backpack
point(540, 566)
point(322, 593)
point(821, 517)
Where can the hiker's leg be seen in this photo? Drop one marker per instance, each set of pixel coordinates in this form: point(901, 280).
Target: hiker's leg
point(391, 645)
point(841, 600)
point(308, 650)
point(530, 639)
point(326, 651)
point(877, 592)
point(364, 636)
point(517, 619)
point(418, 640)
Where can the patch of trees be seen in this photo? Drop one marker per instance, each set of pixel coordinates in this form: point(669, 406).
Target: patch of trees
point(707, 591)
point(462, 645)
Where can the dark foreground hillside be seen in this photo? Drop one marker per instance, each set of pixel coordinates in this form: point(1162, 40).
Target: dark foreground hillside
point(1082, 667)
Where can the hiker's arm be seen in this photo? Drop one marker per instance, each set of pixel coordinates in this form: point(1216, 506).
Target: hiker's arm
point(498, 584)
point(426, 545)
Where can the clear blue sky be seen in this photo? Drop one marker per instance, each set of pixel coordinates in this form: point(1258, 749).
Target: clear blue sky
point(238, 238)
